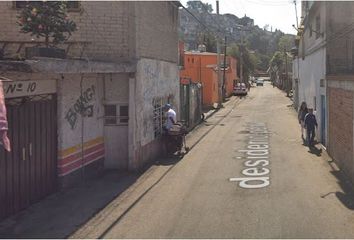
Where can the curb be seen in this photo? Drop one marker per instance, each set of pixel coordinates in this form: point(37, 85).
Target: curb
point(215, 110)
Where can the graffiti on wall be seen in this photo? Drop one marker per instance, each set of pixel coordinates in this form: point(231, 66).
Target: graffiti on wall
point(83, 106)
point(152, 71)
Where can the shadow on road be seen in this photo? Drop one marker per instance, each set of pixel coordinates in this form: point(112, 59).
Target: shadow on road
point(347, 196)
point(168, 161)
point(316, 151)
point(61, 213)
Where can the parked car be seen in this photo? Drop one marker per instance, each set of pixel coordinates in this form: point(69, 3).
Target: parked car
point(240, 89)
point(260, 82)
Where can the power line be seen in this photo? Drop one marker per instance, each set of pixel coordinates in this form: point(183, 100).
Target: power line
point(197, 19)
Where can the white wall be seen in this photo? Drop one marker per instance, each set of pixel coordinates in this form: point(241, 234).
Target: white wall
point(155, 79)
point(311, 70)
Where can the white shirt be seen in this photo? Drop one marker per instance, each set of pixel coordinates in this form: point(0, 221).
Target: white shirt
point(170, 114)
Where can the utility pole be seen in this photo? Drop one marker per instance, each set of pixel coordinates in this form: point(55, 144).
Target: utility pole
point(286, 73)
point(224, 73)
point(297, 20)
point(218, 60)
point(241, 57)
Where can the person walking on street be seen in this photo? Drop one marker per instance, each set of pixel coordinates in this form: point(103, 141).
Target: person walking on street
point(310, 125)
point(301, 116)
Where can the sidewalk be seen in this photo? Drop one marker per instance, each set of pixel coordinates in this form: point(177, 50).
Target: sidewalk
point(87, 207)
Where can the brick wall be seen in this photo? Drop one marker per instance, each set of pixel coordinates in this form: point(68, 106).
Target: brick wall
point(157, 30)
point(105, 25)
point(341, 128)
point(115, 30)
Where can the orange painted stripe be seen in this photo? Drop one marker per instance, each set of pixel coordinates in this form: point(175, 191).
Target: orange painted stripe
point(71, 150)
point(76, 156)
point(76, 165)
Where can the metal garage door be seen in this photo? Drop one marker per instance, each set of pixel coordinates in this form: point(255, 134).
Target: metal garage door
point(28, 173)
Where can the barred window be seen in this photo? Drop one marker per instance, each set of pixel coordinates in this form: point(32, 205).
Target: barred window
point(158, 117)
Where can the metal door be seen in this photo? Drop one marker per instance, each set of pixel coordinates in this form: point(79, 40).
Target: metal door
point(184, 101)
point(323, 119)
point(28, 173)
point(116, 136)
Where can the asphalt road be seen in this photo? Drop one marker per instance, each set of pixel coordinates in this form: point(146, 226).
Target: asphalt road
point(297, 194)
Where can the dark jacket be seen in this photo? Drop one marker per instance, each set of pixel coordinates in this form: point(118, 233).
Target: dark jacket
point(310, 121)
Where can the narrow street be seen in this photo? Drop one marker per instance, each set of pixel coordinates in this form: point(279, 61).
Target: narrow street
point(196, 198)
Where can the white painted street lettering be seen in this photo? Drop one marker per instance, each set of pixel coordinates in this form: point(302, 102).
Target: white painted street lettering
point(257, 175)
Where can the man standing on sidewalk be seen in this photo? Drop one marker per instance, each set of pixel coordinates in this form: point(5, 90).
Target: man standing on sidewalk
point(310, 125)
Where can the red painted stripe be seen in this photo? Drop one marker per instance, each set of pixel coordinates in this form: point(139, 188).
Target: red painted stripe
point(73, 170)
point(64, 169)
point(77, 156)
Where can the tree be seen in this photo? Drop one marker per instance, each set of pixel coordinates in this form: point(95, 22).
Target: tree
point(277, 59)
point(250, 60)
point(46, 19)
point(209, 40)
point(200, 7)
point(285, 42)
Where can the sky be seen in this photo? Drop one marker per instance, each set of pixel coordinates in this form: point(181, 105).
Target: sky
point(279, 14)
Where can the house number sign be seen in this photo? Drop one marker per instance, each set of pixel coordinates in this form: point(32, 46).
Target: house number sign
point(28, 88)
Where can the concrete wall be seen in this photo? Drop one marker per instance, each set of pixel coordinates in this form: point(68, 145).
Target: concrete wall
point(310, 43)
point(153, 80)
point(106, 26)
point(340, 44)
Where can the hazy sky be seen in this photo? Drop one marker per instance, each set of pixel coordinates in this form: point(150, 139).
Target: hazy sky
point(279, 14)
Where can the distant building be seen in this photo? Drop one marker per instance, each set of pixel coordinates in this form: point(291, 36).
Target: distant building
point(201, 67)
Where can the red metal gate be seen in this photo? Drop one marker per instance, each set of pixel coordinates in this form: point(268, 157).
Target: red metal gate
point(29, 172)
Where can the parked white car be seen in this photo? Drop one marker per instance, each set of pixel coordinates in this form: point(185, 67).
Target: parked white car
point(260, 82)
point(240, 89)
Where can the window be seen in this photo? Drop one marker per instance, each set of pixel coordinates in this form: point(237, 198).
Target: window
point(124, 114)
point(318, 26)
point(116, 114)
point(158, 117)
point(314, 103)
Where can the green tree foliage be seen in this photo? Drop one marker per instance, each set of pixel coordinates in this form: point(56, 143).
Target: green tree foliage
point(46, 19)
point(199, 6)
point(277, 59)
point(286, 42)
point(250, 59)
point(209, 40)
